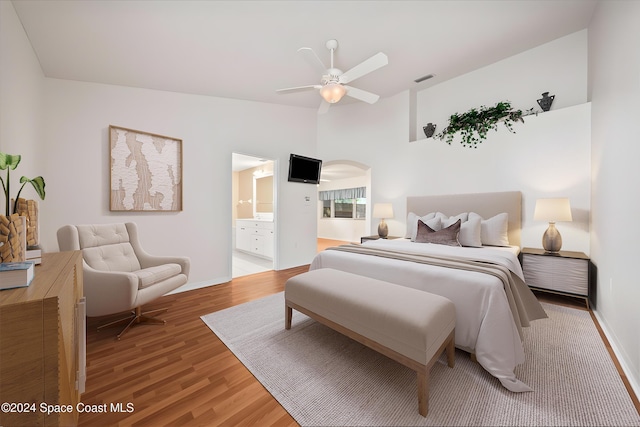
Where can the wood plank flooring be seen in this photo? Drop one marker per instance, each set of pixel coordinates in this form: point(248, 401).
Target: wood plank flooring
point(181, 374)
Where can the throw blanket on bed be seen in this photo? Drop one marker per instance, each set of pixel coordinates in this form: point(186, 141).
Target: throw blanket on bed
point(523, 304)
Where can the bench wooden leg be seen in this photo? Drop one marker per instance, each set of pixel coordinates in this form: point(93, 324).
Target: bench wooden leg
point(288, 313)
point(423, 393)
point(423, 375)
point(451, 351)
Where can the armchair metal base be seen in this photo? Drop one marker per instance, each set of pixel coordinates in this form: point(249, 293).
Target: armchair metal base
point(136, 317)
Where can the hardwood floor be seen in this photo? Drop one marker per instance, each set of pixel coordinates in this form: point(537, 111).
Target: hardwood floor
point(325, 243)
point(181, 374)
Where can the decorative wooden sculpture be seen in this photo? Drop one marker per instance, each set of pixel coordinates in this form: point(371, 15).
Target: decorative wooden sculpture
point(29, 209)
point(12, 238)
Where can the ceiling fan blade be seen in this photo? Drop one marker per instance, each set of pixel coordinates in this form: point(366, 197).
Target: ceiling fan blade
point(298, 89)
point(362, 95)
point(324, 107)
point(376, 61)
point(313, 60)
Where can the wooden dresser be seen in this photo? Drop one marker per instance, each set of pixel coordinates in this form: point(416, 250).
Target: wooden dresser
point(42, 345)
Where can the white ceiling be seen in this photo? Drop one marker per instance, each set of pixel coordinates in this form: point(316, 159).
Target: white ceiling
point(247, 49)
point(337, 171)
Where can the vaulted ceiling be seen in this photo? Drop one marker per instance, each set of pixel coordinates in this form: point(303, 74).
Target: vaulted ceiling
point(248, 49)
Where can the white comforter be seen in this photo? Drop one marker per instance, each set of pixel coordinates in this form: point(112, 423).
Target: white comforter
point(484, 322)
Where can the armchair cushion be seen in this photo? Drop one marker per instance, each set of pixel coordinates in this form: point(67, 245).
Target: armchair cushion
point(116, 257)
point(107, 247)
point(91, 236)
point(152, 275)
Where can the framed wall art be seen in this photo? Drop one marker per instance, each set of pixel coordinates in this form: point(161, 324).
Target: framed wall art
point(145, 171)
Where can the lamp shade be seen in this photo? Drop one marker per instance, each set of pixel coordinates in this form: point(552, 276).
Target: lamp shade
point(552, 210)
point(332, 92)
point(383, 210)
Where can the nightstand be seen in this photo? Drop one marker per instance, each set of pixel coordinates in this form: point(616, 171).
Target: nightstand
point(564, 273)
point(376, 237)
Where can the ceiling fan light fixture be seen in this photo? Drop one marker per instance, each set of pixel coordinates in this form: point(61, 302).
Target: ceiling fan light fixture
point(332, 92)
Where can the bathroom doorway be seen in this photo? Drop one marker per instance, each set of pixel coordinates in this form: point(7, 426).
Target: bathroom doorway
point(253, 215)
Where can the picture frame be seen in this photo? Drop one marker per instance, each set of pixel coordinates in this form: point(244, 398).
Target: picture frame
point(145, 171)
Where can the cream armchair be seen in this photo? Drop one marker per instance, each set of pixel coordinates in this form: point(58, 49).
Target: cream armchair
point(118, 274)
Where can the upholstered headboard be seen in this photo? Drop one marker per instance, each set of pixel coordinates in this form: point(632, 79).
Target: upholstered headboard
point(484, 204)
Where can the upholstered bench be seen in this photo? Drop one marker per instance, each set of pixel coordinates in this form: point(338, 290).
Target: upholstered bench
point(410, 326)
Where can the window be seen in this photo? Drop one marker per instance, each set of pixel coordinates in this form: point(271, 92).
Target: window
point(348, 203)
point(361, 208)
point(326, 208)
point(345, 208)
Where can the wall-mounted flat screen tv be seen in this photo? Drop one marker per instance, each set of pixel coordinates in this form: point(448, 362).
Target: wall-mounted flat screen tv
point(304, 169)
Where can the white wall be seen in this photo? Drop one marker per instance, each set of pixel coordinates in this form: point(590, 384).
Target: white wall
point(548, 156)
point(63, 127)
point(558, 67)
point(76, 124)
point(375, 135)
point(614, 86)
point(21, 83)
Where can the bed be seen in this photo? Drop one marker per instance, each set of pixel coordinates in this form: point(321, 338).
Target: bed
point(485, 283)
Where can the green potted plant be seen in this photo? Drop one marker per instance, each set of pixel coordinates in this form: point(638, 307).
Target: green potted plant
point(475, 123)
point(9, 162)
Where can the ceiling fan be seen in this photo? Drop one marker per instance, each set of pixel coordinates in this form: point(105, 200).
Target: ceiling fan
point(333, 83)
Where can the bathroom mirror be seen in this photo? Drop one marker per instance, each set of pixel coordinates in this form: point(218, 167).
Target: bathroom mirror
point(262, 194)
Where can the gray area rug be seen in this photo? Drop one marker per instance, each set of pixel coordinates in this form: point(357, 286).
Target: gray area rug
point(323, 378)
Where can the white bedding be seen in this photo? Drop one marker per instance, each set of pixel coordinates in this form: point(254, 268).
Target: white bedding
point(484, 321)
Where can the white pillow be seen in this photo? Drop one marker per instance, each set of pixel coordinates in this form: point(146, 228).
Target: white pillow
point(434, 223)
point(493, 231)
point(412, 224)
point(447, 221)
point(470, 232)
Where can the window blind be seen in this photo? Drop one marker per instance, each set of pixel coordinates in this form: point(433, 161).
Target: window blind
point(344, 193)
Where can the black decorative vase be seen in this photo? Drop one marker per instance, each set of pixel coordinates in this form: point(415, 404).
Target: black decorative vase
point(429, 129)
point(546, 101)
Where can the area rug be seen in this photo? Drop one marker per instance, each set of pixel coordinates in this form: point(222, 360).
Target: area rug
point(325, 379)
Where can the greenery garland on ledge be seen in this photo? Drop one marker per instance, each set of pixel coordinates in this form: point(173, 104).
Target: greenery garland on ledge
point(475, 123)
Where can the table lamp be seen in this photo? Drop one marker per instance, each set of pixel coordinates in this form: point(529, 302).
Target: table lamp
point(552, 210)
point(382, 211)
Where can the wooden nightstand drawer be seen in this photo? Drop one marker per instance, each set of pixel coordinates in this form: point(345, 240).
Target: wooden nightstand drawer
point(565, 273)
point(557, 274)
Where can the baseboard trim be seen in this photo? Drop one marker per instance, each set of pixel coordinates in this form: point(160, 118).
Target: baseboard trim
point(633, 381)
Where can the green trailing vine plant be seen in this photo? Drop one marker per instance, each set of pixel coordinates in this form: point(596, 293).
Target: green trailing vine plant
point(475, 123)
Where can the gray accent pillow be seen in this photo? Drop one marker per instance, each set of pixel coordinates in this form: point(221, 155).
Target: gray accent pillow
point(412, 224)
point(433, 223)
point(447, 236)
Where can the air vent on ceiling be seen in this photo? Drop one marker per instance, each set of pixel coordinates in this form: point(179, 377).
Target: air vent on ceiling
point(423, 78)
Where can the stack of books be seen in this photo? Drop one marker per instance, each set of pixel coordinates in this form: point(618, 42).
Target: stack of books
point(34, 253)
point(16, 274)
